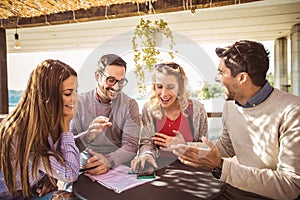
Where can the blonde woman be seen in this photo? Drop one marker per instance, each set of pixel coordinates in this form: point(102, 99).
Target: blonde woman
point(169, 117)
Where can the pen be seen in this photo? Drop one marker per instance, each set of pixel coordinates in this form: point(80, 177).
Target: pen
point(85, 169)
point(132, 172)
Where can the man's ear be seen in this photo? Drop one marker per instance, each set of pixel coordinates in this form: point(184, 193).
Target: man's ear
point(97, 75)
point(243, 77)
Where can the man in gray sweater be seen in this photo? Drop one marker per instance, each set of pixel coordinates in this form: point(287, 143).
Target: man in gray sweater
point(111, 115)
point(258, 153)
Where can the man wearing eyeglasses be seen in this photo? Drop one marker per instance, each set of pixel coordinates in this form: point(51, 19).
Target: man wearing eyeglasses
point(258, 152)
point(109, 113)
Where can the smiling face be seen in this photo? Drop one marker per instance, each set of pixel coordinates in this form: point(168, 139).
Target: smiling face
point(166, 90)
point(229, 82)
point(69, 95)
point(110, 91)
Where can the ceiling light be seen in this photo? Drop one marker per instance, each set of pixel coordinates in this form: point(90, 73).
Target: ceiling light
point(193, 10)
point(17, 44)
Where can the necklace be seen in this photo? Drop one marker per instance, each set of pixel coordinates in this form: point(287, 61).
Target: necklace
point(171, 123)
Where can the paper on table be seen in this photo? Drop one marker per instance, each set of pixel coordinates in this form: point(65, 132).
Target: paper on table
point(118, 179)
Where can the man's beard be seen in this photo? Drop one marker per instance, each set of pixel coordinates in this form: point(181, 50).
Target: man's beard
point(102, 95)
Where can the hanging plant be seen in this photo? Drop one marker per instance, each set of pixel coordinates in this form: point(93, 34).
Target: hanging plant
point(146, 38)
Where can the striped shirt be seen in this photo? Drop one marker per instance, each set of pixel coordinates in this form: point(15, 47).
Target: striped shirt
point(66, 173)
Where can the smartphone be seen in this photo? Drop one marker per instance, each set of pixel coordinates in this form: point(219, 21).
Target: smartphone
point(147, 172)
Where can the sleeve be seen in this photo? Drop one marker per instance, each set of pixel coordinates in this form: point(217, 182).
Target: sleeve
point(69, 171)
point(200, 121)
point(282, 182)
point(82, 119)
point(148, 131)
point(130, 136)
point(224, 143)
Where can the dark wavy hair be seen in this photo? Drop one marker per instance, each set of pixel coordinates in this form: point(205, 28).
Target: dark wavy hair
point(246, 56)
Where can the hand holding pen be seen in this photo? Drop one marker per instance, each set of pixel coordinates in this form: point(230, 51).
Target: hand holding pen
point(97, 164)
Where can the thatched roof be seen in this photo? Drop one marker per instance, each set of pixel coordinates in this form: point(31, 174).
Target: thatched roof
point(32, 13)
point(36, 8)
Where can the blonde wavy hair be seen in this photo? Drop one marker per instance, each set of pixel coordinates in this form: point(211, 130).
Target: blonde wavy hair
point(24, 132)
point(169, 68)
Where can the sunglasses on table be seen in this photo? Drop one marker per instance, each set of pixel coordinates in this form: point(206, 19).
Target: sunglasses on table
point(111, 81)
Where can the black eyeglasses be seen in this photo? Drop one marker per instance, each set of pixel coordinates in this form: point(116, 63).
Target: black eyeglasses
point(172, 65)
point(111, 81)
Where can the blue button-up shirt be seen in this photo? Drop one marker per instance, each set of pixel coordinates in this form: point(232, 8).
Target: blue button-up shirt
point(260, 96)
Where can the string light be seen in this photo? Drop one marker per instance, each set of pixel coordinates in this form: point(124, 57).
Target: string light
point(17, 44)
point(193, 10)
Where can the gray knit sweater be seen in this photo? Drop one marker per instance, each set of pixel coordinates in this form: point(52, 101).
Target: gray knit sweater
point(118, 142)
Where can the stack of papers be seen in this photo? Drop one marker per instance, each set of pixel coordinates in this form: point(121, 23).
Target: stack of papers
point(118, 179)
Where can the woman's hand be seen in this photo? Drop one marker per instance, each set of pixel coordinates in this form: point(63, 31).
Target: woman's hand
point(140, 161)
point(45, 187)
point(165, 141)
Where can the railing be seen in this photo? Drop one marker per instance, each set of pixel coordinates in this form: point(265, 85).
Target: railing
point(214, 114)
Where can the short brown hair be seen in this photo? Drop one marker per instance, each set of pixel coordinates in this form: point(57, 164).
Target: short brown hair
point(246, 56)
point(110, 59)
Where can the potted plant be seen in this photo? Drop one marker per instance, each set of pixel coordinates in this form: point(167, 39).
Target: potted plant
point(146, 37)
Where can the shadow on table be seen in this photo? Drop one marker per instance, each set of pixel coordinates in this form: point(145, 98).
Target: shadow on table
point(179, 177)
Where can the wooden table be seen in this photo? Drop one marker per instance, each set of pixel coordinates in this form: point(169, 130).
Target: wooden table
point(177, 181)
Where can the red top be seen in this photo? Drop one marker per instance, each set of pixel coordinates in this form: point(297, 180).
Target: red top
point(166, 126)
point(181, 124)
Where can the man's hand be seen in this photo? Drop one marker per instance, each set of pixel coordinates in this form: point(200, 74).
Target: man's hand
point(99, 164)
point(97, 126)
point(165, 141)
point(141, 160)
point(196, 157)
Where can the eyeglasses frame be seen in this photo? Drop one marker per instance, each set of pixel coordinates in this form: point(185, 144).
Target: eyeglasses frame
point(116, 81)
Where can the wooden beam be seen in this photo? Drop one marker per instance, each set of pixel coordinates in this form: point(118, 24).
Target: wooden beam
point(116, 11)
point(3, 73)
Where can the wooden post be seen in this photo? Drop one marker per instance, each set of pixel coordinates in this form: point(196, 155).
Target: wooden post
point(3, 73)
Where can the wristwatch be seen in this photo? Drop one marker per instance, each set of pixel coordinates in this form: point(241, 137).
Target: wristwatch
point(217, 172)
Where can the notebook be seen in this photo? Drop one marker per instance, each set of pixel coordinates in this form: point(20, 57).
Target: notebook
point(118, 179)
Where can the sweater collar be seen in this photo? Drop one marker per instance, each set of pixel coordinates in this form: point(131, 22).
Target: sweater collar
point(259, 97)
